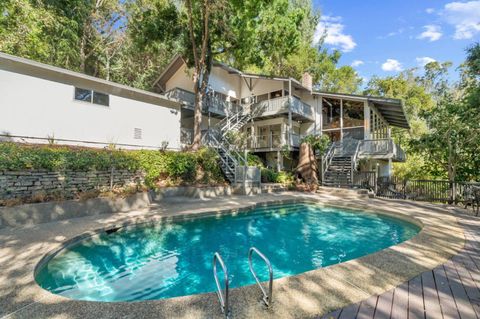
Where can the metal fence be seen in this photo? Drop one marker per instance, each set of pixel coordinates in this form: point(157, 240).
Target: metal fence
point(428, 190)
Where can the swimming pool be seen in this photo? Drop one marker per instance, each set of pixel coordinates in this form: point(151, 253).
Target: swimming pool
point(171, 259)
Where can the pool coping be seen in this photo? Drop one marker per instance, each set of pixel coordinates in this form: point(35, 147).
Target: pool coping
point(307, 294)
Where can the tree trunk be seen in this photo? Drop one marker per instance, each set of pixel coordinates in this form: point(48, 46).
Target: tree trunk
point(307, 164)
point(197, 121)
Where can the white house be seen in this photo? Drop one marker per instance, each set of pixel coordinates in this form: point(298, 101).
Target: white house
point(40, 103)
point(276, 112)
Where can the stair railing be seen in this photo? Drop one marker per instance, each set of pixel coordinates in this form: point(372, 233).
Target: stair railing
point(354, 161)
point(329, 156)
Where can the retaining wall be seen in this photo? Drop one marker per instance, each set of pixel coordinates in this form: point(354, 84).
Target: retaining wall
point(66, 184)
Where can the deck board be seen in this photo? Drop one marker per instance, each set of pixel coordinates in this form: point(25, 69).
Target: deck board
point(384, 305)
point(415, 299)
point(450, 291)
point(430, 297)
point(367, 308)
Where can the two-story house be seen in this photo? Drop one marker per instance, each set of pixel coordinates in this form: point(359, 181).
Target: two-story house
point(276, 112)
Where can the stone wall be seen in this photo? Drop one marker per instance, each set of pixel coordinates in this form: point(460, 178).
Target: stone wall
point(67, 184)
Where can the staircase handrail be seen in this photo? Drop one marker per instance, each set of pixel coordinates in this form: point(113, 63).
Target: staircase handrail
point(355, 156)
point(354, 160)
point(227, 148)
point(329, 156)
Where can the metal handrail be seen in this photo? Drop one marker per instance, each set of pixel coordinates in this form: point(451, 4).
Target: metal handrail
point(328, 157)
point(267, 298)
point(223, 299)
point(354, 161)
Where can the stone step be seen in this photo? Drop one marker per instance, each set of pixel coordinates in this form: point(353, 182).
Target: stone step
point(342, 192)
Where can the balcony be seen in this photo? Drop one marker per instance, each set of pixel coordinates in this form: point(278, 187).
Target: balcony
point(274, 141)
point(281, 105)
point(381, 149)
point(211, 104)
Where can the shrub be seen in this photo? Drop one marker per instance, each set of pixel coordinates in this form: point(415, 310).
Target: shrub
point(271, 176)
point(173, 167)
point(285, 178)
point(56, 158)
point(254, 160)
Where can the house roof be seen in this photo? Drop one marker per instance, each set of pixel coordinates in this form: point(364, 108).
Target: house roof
point(392, 110)
point(177, 62)
point(31, 68)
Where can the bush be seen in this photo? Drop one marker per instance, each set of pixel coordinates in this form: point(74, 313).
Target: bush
point(15, 157)
point(272, 176)
point(254, 160)
point(174, 168)
point(268, 175)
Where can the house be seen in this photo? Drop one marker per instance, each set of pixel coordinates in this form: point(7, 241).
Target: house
point(277, 112)
point(41, 104)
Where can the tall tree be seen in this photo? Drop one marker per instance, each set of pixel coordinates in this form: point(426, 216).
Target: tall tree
point(204, 19)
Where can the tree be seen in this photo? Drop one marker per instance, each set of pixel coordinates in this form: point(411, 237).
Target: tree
point(307, 163)
point(200, 14)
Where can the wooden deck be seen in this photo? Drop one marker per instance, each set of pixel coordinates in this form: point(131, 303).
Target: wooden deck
point(449, 291)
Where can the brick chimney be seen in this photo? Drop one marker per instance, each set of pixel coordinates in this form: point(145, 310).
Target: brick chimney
point(307, 80)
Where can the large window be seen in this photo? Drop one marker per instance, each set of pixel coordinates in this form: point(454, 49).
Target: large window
point(91, 96)
point(331, 113)
point(353, 114)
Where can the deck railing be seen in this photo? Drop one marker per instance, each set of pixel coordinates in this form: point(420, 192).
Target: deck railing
point(381, 148)
point(282, 105)
point(212, 104)
point(182, 95)
point(276, 140)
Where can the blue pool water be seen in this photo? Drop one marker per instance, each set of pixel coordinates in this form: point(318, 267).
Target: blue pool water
point(175, 259)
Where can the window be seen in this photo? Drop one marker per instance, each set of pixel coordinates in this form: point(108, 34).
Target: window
point(101, 99)
point(83, 95)
point(92, 97)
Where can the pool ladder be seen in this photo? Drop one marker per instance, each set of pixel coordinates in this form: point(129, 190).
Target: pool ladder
point(223, 294)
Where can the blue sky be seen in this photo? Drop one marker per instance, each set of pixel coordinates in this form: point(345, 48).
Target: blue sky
point(384, 37)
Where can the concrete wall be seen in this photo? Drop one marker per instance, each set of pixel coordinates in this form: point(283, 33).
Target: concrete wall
point(38, 108)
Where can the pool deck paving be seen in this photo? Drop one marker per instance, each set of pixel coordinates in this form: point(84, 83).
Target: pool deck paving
point(436, 274)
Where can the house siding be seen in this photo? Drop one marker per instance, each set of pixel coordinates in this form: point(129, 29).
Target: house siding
point(36, 109)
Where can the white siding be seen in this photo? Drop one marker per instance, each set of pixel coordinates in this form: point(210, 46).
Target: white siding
point(181, 79)
point(34, 107)
point(221, 81)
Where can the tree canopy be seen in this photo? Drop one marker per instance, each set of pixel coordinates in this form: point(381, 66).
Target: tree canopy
point(131, 41)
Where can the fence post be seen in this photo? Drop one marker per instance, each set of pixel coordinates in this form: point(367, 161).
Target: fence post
point(404, 189)
point(454, 192)
point(111, 177)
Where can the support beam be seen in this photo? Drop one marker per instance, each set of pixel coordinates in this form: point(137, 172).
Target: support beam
point(290, 124)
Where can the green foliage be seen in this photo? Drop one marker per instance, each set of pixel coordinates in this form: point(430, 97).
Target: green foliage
point(173, 167)
point(130, 42)
point(20, 157)
point(319, 143)
point(272, 176)
point(254, 160)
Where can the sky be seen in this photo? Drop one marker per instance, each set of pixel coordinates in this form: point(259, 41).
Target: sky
point(384, 37)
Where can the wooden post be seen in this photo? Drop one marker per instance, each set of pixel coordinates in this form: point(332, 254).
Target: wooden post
point(290, 126)
point(366, 121)
point(341, 119)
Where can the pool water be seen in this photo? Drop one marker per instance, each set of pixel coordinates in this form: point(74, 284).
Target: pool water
point(175, 258)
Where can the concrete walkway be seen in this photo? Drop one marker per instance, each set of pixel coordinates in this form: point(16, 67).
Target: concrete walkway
point(308, 295)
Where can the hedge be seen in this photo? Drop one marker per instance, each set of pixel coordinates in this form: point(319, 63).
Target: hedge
point(173, 167)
